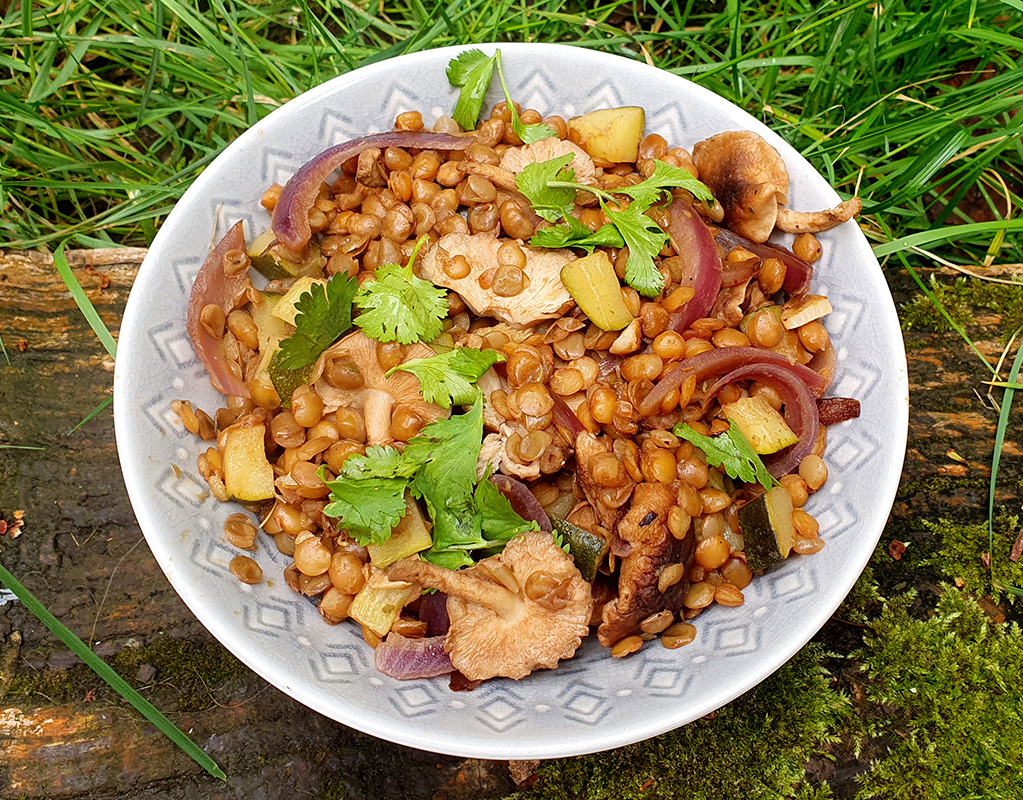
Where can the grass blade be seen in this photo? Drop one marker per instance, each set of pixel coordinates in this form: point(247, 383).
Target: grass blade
point(1003, 423)
point(20, 447)
point(3, 350)
point(107, 673)
point(98, 409)
point(944, 235)
point(84, 303)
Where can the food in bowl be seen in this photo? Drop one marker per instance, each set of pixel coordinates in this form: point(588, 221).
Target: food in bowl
point(471, 437)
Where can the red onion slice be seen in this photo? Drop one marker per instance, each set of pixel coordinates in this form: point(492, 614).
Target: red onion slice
point(800, 411)
point(291, 214)
point(406, 659)
point(797, 271)
point(433, 610)
point(523, 502)
point(694, 243)
point(213, 286)
point(722, 360)
point(565, 420)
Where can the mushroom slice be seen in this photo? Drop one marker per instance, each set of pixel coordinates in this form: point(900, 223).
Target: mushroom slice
point(378, 395)
point(524, 609)
point(816, 221)
point(606, 501)
point(748, 178)
point(655, 557)
point(494, 453)
point(516, 159)
point(541, 295)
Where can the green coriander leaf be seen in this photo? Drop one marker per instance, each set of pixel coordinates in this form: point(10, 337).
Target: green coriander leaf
point(380, 462)
point(448, 450)
point(664, 177)
point(368, 508)
point(500, 522)
point(399, 307)
point(449, 378)
point(730, 450)
point(550, 202)
point(527, 133)
point(644, 238)
point(456, 528)
point(449, 559)
point(324, 315)
point(472, 71)
point(575, 234)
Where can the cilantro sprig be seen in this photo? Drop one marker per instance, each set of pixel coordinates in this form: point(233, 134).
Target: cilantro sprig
point(397, 306)
point(324, 316)
point(449, 378)
point(550, 187)
point(472, 70)
point(730, 450)
point(438, 467)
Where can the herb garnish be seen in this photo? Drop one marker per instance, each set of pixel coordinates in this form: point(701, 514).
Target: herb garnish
point(397, 306)
point(550, 187)
point(730, 450)
point(472, 70)
point(450, 378)
point(439, 467)
point(324, 316)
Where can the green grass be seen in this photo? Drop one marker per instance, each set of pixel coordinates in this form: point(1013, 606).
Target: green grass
point(110, 109)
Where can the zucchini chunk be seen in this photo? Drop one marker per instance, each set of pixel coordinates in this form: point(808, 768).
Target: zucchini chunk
point(766, 524)
point(587, 549)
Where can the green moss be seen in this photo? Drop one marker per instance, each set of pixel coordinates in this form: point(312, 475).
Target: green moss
point(755, 747)
point(192, 669)
point(946, 695)
point(961, 300)
point(863, 601)
point(957, 550)
point(921, 312)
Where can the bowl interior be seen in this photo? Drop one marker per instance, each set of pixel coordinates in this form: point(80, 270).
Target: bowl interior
point(592, 702)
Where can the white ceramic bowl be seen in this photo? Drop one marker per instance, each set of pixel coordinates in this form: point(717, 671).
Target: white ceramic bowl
point(592, 702)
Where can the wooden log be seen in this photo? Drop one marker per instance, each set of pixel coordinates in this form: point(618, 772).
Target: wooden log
point(83, 555)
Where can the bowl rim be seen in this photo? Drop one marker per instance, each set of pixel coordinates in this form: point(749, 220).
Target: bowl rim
point(242, 647)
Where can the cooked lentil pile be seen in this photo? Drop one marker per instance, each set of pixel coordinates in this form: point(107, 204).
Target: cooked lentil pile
point(600, 386)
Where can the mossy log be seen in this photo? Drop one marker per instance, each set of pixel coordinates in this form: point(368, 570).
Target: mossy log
point(64, 734)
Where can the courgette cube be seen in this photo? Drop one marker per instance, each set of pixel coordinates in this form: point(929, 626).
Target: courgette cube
point(610, 134)
point(593, 284)
point(286, 309)
point(380, 602)
point(285, 380)
point(766, 524)
point(410, 536)
point(275, 262)
point(247, 472)
point(761, 424)
point(587, 549)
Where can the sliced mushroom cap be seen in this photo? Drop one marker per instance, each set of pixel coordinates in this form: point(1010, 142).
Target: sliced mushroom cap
point(377, 395)
point(653, 550)
point(542, 294)
point(748, 178)
point(516, 159)
point(524, 609)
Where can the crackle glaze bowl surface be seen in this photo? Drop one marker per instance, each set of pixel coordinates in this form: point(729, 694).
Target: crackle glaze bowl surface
point(592, 702)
